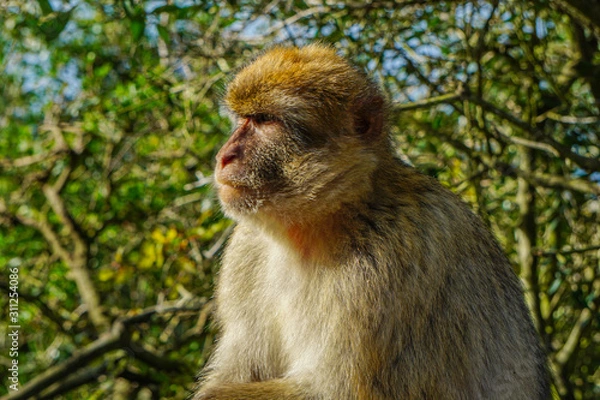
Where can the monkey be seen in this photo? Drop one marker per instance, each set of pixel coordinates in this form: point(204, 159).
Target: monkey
point(349, 274)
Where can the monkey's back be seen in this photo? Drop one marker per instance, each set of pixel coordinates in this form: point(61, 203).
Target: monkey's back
point(460, 314)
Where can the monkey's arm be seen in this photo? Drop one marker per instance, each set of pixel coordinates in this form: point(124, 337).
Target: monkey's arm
point(246, 357)
point(284, 389)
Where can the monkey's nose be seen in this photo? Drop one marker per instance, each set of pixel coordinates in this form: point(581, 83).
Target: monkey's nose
point(230, 154)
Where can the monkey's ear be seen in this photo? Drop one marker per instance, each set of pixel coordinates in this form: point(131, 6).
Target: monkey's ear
point(369, 111)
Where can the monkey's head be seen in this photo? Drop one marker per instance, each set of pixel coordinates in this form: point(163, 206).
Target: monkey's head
point(309, 129)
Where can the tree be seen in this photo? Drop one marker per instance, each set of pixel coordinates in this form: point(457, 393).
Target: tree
point(111, 119)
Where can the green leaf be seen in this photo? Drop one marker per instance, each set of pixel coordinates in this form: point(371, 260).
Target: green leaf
point(137, 28)
point(164, 33)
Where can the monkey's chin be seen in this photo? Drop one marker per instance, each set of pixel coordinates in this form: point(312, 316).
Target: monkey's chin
point(237, 200)
point(229, 194)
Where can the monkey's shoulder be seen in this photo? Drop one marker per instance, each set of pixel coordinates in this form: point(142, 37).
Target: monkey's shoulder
point(402, 194)
point(417, 213)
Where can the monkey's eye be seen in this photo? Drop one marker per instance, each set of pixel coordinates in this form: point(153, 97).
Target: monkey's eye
point(263, 118)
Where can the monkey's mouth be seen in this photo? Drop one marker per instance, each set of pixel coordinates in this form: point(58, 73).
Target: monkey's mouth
point(230, 190)
point(225, 181)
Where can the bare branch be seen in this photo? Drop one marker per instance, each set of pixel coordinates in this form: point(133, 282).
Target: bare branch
point(587, 12)
point(552, 253)
point(532, 177)
point(77, 260)
point(298, 16)
point(559, 182)
point(590, 164)
point(117, 337)
point(42, 226)
point(567, 119)
point(27, 161)
point(526, 240)
point(426, 103)
point(532, 144)
point(152, 358)
point(58, 206)
point(193, 304)
point(107, 342)
point(568, 349)
point(80, 378)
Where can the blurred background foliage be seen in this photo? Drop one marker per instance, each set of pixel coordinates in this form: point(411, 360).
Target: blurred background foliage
point(110, 118)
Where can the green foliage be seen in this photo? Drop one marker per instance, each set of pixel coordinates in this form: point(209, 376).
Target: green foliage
point(110, 118)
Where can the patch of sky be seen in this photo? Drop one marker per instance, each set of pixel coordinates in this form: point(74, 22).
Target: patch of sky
point(392, 63)
point(420, 26)
point(504, 39)
point(372, 65)
point(69, 76)
point(328, 29)
point(150, 30)
point(429, 50)
point(72, 34)
point(581, 173)
point(83, 11)
point(59, 5)
point(33, 66)
point(472, 68)
point(109, 9)
point(475, 16)
point(446, 109)
point(298, 33)
point(255, 28)
point(354, 31)
point(413, 42)
point(152, 5)
point(541, 28)
point(436, 75)
point(187, 27)
point(416, 93)
point(190, 3)
point(379, 46)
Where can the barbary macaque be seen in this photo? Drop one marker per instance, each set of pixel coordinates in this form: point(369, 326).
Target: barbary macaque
point(350, 275)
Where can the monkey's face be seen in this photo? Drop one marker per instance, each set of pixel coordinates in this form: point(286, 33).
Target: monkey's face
point(306, 126)
point(250, 169)
point(269, 168)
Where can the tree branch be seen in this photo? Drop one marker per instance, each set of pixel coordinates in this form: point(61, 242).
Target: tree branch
point(296, 17)
point(526, 233)
point(590, 164)
point(426, 103)
point(563, 356)
point(150, 357)
point(80, 378)
point(77, 260)
point(116, 338)
point(107, 342)
point(26, 161)
point(42, 226)
point(552, 253)
point(587, 12)
point(559, 182)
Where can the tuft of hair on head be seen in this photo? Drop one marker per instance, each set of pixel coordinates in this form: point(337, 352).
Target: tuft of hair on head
point(300, 83)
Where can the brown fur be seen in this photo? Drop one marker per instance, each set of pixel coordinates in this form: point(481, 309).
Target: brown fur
point(350, 275)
